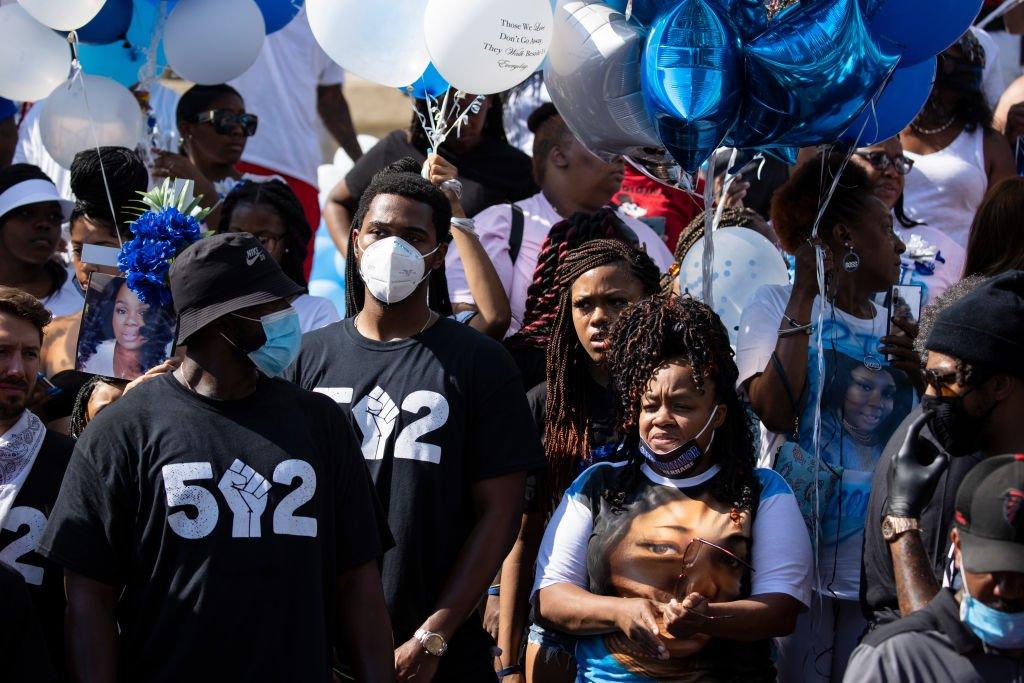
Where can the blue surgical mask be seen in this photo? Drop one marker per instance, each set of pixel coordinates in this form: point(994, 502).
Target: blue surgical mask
point(284, 337)
point(995, 628)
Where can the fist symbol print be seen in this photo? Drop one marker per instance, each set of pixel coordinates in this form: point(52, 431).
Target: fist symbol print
point(245, 491)
point(377, 415)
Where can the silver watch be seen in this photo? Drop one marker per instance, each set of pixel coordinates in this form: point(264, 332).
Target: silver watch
point(433, 643)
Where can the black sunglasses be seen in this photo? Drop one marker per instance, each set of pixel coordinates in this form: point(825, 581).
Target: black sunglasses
point(224, 121)
point(882, 161)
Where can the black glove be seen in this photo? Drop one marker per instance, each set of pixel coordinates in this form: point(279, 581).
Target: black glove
point(914, 473)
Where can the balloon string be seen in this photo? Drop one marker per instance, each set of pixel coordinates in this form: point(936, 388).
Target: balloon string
point(998, 12)
point(440, 121)
point(77, 75)
point(708, 259)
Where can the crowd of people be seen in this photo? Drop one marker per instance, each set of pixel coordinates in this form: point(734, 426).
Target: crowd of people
point(525, 451)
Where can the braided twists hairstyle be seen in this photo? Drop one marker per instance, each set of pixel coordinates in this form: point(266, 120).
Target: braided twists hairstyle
point(402, 178)
point(567, 423)
point(542, 295)
point(663, 327)
point(275, 196)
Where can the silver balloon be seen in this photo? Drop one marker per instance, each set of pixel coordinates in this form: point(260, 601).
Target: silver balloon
point(662, 168)
point(593, 77)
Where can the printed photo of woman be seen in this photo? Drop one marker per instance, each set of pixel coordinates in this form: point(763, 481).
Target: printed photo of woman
point(121, 336)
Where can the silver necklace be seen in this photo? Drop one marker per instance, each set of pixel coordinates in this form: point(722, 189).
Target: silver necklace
point(430, 319)
point(871, 360)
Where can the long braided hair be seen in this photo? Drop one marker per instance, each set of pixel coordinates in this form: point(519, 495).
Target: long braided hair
point(662, 327)
point(401, 178)
point(542, 295)
point(567, 422)
point(275, 196)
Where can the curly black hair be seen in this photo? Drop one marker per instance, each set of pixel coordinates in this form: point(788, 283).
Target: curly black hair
point(126, 177)
point(662, 327)
point(567, 422)
point(275, 196)
point(159, 328)
point(401, 178)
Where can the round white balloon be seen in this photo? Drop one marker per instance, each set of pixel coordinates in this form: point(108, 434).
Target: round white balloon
point(63, 15)
point(64, 123)
point(212, 42)
point(744, 260)
point(487, 46)
point(33, 59)
point(379, 40)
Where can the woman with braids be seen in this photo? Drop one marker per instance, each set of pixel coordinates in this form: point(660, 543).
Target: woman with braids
point(492, 171)
point(124, 337)
point(95, 395)
point(31, 213)
point(575, 411)
point(270, 211)
point(956, 153)
point(680, 561)
point(92, 223)
point(862, 393)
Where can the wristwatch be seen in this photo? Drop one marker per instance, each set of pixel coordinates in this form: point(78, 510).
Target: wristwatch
point(894, 527)
point(433, 643)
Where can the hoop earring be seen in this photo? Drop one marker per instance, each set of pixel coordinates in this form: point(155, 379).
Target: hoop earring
point(851, 262)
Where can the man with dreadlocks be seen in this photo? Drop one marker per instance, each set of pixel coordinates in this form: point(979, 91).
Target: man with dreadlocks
point(445, 426)
point(681, 550)
point(526, 239)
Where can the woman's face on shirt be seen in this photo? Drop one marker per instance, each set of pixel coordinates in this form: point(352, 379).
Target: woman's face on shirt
point(598, 297)
point(648, 561)
point(673, 410)
point(869, 398)
point(887, 184)
point(128, 319)
point(88, 231)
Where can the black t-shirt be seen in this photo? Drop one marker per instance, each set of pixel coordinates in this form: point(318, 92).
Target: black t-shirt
point(226, 522)
point(437, 412)
point(878, 585)
point(22, 530)
point(492, 173)
point(23, 653)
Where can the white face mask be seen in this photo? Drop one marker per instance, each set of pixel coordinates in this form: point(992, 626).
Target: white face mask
point(392, 269)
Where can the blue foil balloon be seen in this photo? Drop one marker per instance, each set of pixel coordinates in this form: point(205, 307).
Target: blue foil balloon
point(900, 101)
point(920, 29)
point(121, 61)
point(809, 75)
point(431, 83)
point(278, 13)
point(109, 25)
point(691, 75)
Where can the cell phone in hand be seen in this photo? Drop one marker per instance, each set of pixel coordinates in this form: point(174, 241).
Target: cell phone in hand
point(904, 303)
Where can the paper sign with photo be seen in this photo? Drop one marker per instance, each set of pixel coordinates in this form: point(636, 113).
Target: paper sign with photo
point(121, 336)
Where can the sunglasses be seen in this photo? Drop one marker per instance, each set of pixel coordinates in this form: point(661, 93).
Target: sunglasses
point(702, 553)
point(881, 161)
point(224, 121)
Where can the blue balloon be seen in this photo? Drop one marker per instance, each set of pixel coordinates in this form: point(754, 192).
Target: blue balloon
point(809, 75)
point(431, 83)
point(278, 13)
point(691, 73)
point(898, 104)
point(921, 30)
point(109, 25)
point(121, 61)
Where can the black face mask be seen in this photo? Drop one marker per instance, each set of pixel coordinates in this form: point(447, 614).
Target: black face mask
point(956, 430)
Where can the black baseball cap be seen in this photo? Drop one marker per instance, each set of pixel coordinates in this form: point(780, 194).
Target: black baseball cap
point(222, 274)
point(990, 515)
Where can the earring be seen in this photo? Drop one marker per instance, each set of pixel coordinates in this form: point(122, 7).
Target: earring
point(851, 261)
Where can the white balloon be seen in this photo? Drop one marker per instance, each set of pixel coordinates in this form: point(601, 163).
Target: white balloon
point(33, 59)
point(64, 122)
point(213, 42)
point(487, 46)
point(63, 15)
point(744, 260)
point(379, 40)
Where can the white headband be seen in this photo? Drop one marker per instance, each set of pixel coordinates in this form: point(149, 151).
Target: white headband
point(32, 192)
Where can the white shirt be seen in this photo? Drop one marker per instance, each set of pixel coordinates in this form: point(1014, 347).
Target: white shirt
point(281, 89)
point(66, 300)
point(314, 312)
point(494, 225)
point(933, 260)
